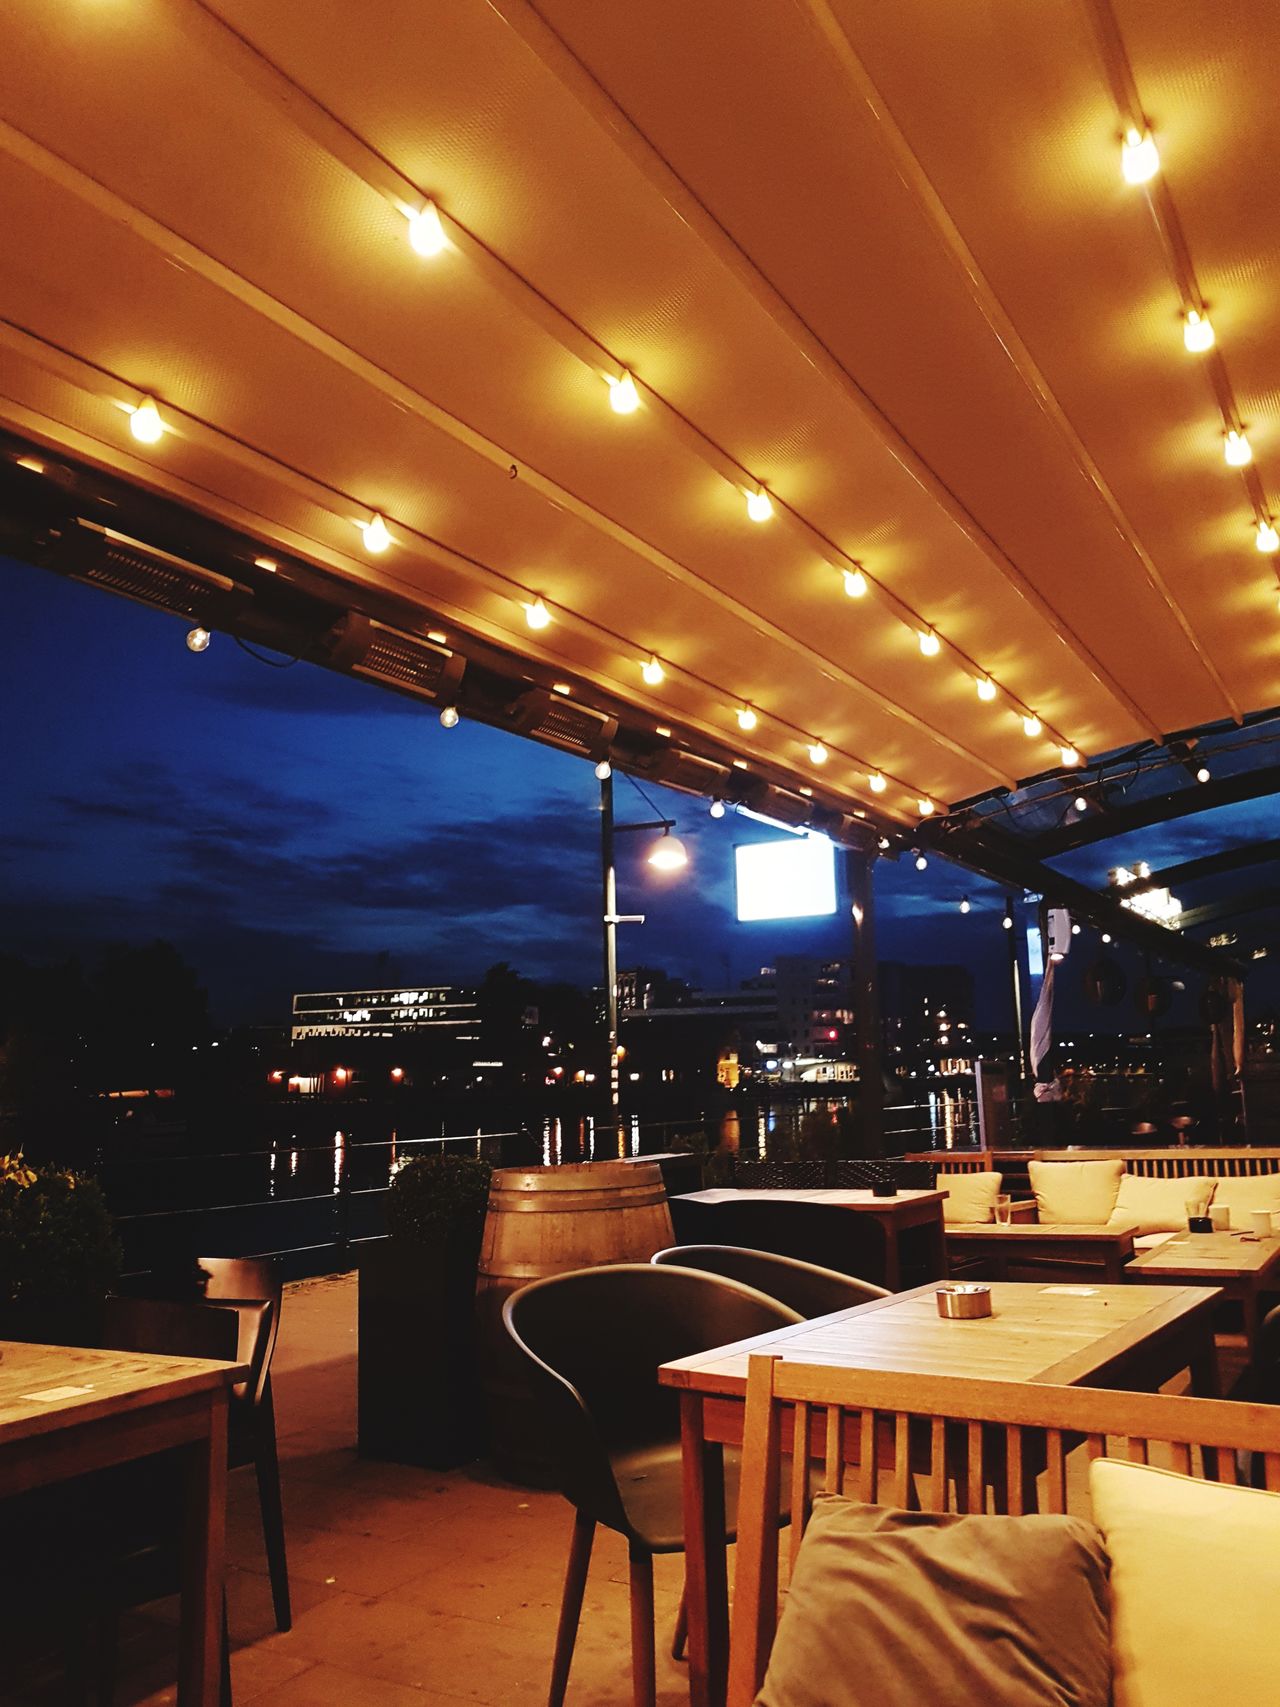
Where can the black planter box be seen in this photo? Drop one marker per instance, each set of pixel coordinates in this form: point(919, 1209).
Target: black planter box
point(419, 1399)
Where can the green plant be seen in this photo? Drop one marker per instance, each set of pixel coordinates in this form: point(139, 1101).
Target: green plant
point(57, 1245)
point(434, 1199)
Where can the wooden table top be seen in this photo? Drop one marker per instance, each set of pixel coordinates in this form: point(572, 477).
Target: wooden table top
point(1076, 1231)
point(1210, 1254)
point(45, 1387)
point(1058, 1333)
point(840, 1199)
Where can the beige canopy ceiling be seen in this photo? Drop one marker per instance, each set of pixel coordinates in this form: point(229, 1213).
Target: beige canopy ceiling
point(880, 260)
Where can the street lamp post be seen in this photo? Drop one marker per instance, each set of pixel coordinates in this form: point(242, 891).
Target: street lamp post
point(611, 918)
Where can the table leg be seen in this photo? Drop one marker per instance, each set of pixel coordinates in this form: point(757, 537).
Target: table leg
point(892, 1260)
point(203, 1546)
point(938, 1249)
point(705, 1564)
point(1202, 1362)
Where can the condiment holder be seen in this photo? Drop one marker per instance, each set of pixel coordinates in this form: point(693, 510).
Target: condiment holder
point(963, 1300)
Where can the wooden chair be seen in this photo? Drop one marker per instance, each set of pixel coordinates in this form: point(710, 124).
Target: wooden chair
point(941, 1442)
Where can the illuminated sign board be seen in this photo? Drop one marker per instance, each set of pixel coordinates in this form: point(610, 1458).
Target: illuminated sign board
point(791, 879)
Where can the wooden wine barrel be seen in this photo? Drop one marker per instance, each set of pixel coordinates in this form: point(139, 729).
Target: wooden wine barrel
point(543, 1221)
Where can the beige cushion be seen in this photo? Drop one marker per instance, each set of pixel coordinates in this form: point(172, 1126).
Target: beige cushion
point(1195, 1586)
point(1075, 1191)
point(970, 1197)
point(1242, 1196)
point(908, 1609)
point(1160, 1205)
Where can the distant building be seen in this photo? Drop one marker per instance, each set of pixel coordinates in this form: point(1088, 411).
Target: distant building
point(343, 1040)
point(381, 1013)
point(927, 1016)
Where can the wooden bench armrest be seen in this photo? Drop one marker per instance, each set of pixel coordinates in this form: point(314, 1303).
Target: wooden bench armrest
point(1024, 1211)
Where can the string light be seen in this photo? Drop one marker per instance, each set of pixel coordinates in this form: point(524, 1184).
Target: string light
point(817, 753)
point(759, 505)
point(1237, 449)
point(855, 583)
point(604, 770)
point(1070, 757)
point(1080, 803)
point(145, 423)
point(1032, 725)
point(198, 640)
point(986, 688)
point(1006, 923)
point(927, 808)
point(1197, 332)
point(964, 905)
point(884, 844)
point(922, 863)
point(1139, 157)
point(449, 717)
point(624, 399)
point(1266, 537)
point(747, 718)
point(930, 645)
point(376, 536)
point(1106, 936)
point(426, 230)
point(1204, 774)
point(537, 615)
point(876, 783)
point(716, 809)
point(653, 672)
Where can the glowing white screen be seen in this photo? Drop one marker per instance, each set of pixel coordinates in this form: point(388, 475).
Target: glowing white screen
point(792, 879)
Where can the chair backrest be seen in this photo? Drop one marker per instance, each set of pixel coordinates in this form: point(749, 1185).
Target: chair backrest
point(955, 1441)
point(801, 1286)
point(821, 1233)
point(594, 1339)
point(762, 1174)
point(252, 1286)
point(166, 1327)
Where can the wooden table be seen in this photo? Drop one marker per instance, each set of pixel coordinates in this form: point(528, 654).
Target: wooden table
point(1103, 1336)
point(1063, 1244)
point(65, 1411)
point(1242, 1268)
point(905, 1209)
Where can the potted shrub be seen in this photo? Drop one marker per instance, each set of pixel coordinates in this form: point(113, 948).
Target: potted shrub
point(418, 1396)
point(58, 1254)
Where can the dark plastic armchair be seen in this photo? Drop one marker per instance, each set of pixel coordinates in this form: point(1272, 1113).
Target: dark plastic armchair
point(594, 1339)
point(801, 1286)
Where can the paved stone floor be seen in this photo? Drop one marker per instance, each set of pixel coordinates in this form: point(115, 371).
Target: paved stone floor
point(410, 1587)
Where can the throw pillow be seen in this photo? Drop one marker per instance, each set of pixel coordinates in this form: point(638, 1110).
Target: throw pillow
point(895, 1609)
point(1075, 1191)
point(1160, 1205)
point(1195, 1583)
point(970, 1196)
point(1243, 1196)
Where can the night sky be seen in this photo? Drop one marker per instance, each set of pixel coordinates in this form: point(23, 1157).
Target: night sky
point(296, 829)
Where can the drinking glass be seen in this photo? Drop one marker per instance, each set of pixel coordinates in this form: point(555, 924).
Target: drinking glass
point(1004, 1208)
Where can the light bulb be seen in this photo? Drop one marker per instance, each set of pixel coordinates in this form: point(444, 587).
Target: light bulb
point(145, 423)
point(449, 717)
point(604, 770)
point(1007, 922)
point(922, 863)
point(759, 505)
point(1139, 158)
point(376, 536)
point(669, 853)
point(1203, 774)
point(747, 718)
point(930, 645)
point(1032, 725)
point(1106, 936)
point(1075, 930)
point(653, 672)
point(817, 753)
point(927, 808)
point(1070, 757)
point(1266, 538)
point(1237, 449)
point(624, 399)
point(1080, 803)
point(426, 230)
point(855, 583)
point(716, 809)
point(1197, 332)
point(883, 844)
point(876, 783)
point(986, 688)
point(964, 905)
point(537, 615)
point(198, 640)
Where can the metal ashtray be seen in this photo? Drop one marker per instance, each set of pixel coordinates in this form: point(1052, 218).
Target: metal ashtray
point(964, 1300)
